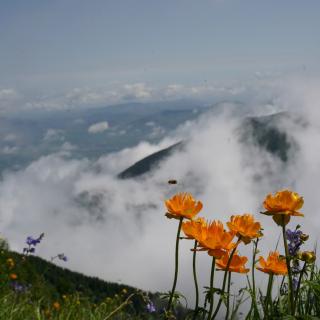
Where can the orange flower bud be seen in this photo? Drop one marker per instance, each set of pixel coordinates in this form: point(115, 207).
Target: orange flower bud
point(308, 256)
point(56, 306)
point(13, 276)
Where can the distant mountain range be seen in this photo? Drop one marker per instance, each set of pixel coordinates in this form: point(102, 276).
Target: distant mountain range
point(149, 163)
point(89, 133)
point(262, 131)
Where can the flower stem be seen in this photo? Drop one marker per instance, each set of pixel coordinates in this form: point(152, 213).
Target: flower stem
point(299, 283)
point(228, 296)
point(122, 305)
point(176, 266)
point(211, 287)
point(195, 280)
point(268, 296)
point(254, 302)
point(290, 290)
point(309, 307)
point(224, 281)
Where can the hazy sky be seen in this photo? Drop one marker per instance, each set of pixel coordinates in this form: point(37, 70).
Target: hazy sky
point(125, 237)
point(49, 46)
point(57, 53)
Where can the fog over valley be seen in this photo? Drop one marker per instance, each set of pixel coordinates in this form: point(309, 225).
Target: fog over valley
point(233, 153)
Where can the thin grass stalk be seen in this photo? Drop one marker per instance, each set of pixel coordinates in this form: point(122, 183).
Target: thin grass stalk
point(254, 302)
point(225, 280)
point(228, 296)
point(204, 308)
point(211, 287)
point(299, 283)
point(195, 279)
point(290, 286)
point(248, 316)
point(308, 309)
point(122, 305)
point(256, 315)
point(268, 296)
point(176, 266)
point(233, 308)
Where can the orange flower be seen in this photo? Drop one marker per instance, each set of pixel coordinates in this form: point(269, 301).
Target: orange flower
point(274, 264)
point(245, 227)
point(47, 313)
point(217, 240)
point(283, 205)
point(13, 276)
point(182, 205)
point(237, 263)
point(195, 229)
point(56, 306)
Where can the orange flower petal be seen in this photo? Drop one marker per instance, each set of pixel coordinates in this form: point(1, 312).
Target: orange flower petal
point(182, 205)
point(273, 265)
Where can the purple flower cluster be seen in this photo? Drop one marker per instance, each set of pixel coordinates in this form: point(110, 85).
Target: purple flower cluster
point(294, 241)
point(32, 243)
point(19, 287)
point(62, 257)
point(151, 307)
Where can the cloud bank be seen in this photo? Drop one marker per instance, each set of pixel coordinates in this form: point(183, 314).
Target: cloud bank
point(116, 229)
point(11, 100)
point(98, 127)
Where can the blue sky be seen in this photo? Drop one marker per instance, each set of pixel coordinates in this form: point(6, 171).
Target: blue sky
point(49, 46)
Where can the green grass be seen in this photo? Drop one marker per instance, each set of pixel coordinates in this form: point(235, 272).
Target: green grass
point(43, 290)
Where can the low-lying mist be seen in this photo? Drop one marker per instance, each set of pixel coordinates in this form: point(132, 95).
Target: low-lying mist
point(116, 229)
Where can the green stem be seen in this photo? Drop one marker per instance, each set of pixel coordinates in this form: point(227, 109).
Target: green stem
point(299, 283)
point(254, 302)
point(122, 305)
point(309, 308)
point(224, 281)
point(228, 296)
point(248, 316)
point(195, 280)
point(176, 266)
point(290, 291)
point(268, 296)
point(211, 287)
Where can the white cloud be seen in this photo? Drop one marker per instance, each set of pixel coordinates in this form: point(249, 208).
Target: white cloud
point(98, 127)
point(54, 135)
point(8, 94)
point(11, 137)
point(9, 99)
point(67, 146)
point(137, 91)
point(92, 216)
point(116, 93)
point(9, 150)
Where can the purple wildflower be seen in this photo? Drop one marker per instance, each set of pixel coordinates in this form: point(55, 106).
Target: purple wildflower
point(295, 283)
point(296, 267)
point(32, 242)
point(294, 241)
point(151, 307)
point(18, 287)
point(61, 256)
